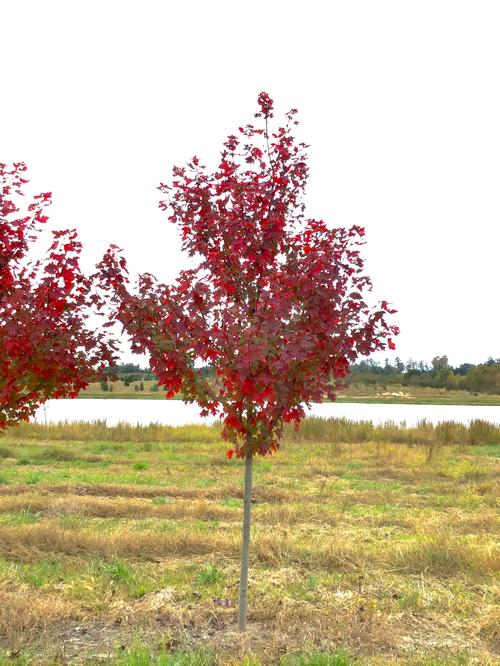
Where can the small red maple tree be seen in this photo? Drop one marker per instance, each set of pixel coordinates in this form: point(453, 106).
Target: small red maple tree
point(276, 304)
point(47, 349)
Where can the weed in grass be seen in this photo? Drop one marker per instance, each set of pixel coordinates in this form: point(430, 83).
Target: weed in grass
point(23, 461)
point(117, 570)
point(5, 452)
point(205, 482)
point(70, 522)
point(33, 478)
point(206, 525)
point(312, 582)
point(140, 465)
point(161, 500)
point(139, 591)
point(210, 574)
point(232, 503)
point(139, 655)
point(409, 599)
point(24, 517)
point(42, 573)
point(338, 658)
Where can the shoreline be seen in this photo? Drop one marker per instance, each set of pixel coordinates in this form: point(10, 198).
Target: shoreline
point(482, 401)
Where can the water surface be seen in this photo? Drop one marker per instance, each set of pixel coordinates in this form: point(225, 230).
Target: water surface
point(175, 412)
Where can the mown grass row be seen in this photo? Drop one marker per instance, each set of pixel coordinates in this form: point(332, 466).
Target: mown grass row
point(433, 553)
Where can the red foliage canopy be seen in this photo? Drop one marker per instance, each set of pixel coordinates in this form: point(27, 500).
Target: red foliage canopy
point(276, 303)
point(46, 348)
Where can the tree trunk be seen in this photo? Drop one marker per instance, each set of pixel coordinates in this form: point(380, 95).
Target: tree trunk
point(245, 549)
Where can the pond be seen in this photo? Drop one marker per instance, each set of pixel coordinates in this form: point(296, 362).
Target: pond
point(175, 412)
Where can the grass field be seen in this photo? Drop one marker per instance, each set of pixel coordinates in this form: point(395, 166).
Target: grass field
point(396, 395)
point(121, 546)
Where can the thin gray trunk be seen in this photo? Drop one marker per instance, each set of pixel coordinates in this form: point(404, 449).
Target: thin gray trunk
point(245, 549)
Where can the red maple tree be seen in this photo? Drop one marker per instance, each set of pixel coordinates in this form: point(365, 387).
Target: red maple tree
point(47, 349)
point(275, 306)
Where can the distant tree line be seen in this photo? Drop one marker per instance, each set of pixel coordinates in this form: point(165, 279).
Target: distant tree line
point(481, 378)
point(129, 373)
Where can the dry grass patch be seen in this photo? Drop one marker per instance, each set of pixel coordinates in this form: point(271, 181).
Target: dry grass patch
point(264, 494)
point(444, 554)
point(34, 541)
point(24, 614)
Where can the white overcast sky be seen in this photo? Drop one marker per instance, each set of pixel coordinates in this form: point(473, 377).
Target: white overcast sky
point(400, 101)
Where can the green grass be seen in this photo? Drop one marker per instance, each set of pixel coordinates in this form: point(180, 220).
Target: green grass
point(210, 574)
point(338, 658)
point(416, 395)
point(396, 394)
point(24, 517)
point(120, 391)
point(358, 540)
point(141, 656)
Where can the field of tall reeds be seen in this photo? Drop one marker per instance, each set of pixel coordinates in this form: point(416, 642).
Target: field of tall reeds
point(370, 545)
point(312, 429)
